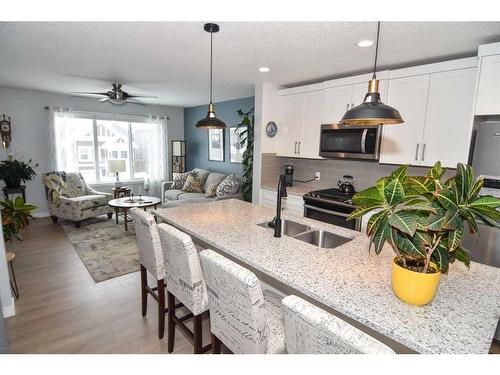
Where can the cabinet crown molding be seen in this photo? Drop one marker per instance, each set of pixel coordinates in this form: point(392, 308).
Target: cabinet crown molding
point(489, 49)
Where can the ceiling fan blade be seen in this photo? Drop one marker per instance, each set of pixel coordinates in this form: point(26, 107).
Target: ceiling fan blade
point(91, 93)
point(104, 99)
point(142, 96)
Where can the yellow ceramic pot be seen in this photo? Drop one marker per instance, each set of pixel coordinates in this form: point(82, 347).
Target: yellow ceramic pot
point(414, 288)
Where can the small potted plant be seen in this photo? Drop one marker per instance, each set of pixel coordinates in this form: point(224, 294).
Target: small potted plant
point(423, 219)
point(13, 171)
point(15, 216)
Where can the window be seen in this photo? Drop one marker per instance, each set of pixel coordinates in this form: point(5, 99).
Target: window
point(85, 145)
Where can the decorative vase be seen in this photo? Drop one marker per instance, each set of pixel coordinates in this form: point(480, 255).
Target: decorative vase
point(414, 288)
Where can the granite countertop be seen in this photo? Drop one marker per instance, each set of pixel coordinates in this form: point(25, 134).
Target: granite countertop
point(461, 319)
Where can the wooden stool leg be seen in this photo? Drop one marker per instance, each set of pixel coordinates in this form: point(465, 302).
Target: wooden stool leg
point(14, 287)
point(144, 293)
point(161, 308)
point(216, 345)
point(171, 323)
point(116, 215)
point(198, 335)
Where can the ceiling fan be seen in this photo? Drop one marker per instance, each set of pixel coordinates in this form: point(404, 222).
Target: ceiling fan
point(117, 96)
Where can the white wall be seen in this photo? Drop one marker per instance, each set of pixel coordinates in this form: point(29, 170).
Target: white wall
point(266, 109)
point(30, 136)
point(6, 300)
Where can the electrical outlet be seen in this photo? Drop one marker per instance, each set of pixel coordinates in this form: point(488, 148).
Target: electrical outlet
point(318, 176)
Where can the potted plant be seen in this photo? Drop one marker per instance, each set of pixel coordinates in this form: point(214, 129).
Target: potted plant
point(247, 139)
point(15, 216)
point(423, 219)
point(13, 171)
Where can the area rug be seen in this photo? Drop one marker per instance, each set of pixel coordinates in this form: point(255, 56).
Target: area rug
point(104, 247)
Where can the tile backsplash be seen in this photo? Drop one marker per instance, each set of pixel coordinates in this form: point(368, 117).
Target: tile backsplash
point(365, 173)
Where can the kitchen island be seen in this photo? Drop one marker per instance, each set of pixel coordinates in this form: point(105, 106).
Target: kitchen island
point(348, 281)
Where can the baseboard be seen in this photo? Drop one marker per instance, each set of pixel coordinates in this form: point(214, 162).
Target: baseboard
point(41, 214)
point(9, 310)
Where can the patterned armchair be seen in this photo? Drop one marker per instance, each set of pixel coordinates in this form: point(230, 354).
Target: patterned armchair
point(70, 197)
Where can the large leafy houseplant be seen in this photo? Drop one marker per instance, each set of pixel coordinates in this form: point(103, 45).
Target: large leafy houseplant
point(423, 218)
point(13, 171)
point(247, 139)
point(15, 216)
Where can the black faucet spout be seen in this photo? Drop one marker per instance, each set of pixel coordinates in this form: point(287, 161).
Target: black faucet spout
point(281, 193)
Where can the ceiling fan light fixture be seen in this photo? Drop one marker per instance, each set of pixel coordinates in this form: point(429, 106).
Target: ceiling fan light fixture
point(372, 111)
point(211, 121)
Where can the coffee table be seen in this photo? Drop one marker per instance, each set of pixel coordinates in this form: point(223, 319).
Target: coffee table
point(124, 205)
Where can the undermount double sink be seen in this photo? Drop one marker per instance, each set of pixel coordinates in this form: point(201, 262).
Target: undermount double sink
point(305, 233)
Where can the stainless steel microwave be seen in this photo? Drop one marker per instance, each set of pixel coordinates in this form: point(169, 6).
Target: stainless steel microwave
point(350, 142)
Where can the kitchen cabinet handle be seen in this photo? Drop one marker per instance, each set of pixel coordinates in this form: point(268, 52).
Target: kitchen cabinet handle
point(416, 151)
point(295, 149)
point(299, 147)
point(347, 107)
point(352, 105)
point(423, 152)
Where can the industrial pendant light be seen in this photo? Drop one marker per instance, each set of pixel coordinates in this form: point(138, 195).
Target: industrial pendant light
point(211, 121)
point(372, 111)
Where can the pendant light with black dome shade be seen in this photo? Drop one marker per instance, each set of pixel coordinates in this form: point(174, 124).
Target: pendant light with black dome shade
point(372, 111)
point(211, 121)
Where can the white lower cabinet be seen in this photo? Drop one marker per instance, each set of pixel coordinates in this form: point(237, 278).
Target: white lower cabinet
point(437, 110)
point(291, 204)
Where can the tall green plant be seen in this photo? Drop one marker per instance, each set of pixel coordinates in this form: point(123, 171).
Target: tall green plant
point(423, 217)
point(15, 216)
point(247, 139)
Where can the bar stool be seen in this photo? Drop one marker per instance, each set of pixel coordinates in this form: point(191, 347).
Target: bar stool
point(10, 259)
point(242, 316)
point(151, 260)
point(311, 330)
point(184, 282)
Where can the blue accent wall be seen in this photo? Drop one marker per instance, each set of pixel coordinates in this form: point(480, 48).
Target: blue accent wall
point(197, 139)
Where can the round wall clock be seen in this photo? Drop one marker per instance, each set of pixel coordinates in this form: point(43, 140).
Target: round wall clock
point(271, 129)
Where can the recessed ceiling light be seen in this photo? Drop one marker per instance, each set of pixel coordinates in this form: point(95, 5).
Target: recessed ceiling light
point(264, 69)
point(365, 43)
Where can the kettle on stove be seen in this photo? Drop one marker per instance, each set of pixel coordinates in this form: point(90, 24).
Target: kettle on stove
point(346, 185)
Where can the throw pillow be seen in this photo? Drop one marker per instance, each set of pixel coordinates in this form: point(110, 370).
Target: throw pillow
point(229, 186)
point(193, 184)
point(211, 191)
point(179, 179)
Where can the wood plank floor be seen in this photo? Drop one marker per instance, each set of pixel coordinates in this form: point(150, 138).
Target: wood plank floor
point(62, 310)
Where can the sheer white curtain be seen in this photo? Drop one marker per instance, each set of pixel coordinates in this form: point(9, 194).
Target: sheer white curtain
point(157, 155)
point(57, 136)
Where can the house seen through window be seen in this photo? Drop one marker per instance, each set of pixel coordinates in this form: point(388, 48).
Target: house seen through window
point(86, 144)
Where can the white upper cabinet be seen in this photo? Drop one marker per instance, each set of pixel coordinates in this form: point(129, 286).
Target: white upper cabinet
point(437, 110)
point(314, 109)
point(337, 102)
point(290, 118)
point(448, 121)
point(488, 93)
point(299, 121)
point(401, 143)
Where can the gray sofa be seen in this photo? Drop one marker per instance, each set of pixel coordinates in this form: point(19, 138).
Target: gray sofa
point(174, 197)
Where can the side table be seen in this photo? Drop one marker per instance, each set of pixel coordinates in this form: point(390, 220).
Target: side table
point(120, 192)
point(15, 190)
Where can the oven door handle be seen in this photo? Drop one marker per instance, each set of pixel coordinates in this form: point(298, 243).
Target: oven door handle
point(325, 210)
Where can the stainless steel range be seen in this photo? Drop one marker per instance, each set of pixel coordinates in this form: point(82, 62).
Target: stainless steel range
point(331, 206)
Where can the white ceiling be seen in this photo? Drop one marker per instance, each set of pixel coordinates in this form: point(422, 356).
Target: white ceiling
point(170, 59)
